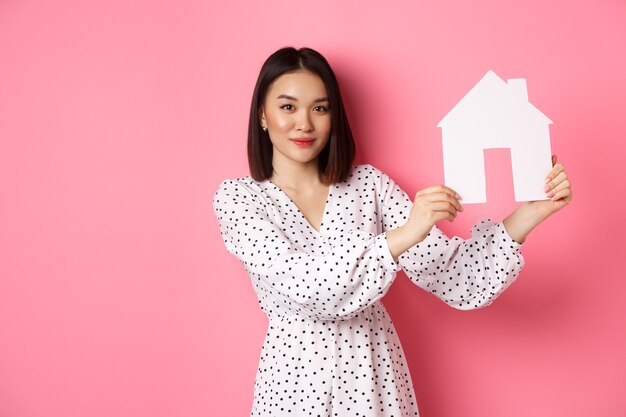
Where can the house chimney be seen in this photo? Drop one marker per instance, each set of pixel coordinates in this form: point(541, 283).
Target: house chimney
point(518, 87)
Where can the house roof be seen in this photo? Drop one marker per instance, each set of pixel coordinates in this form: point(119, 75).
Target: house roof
point(493, 97)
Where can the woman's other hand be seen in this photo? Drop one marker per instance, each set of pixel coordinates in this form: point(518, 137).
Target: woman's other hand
point(431, 205)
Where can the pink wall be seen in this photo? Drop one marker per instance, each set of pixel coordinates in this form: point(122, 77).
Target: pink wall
point(119, 119)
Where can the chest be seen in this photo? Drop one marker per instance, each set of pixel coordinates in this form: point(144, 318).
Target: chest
point(311, 204)
point(346, 207)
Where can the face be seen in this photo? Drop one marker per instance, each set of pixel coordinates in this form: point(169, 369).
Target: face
point(297, 116)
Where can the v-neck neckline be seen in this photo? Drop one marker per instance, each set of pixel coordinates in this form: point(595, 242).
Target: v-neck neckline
point(306, 221)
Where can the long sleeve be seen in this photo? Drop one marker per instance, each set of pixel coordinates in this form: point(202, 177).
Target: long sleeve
point(466, 274)
point(351, 271)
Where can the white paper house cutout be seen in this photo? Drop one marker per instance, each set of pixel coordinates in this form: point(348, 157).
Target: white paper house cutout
point(496, 114)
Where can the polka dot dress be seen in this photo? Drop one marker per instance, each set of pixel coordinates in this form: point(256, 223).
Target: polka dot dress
point(331, 348)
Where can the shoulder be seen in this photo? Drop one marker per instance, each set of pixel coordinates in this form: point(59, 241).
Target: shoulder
point(367, 173)
point(245, 185)
point(242, 190)
point(370, 180)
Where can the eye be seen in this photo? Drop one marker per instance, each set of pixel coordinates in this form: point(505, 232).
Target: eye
point(320, 109)
point(288, 107)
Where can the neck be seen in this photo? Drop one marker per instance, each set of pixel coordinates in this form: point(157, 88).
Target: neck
point(295, 175)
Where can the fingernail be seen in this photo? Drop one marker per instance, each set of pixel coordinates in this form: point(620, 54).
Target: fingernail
point(458, 197)
point(547, 180)
point(546, 188)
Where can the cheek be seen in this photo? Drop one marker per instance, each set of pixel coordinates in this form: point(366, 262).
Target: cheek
point(324, 126)
point(278, 121)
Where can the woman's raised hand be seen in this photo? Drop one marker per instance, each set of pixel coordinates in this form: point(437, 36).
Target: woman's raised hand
point(439, 202)
point(558, 189)
point(527, 216)
point(431, 205)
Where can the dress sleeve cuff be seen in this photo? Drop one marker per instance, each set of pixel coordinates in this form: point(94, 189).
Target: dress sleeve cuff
point(384, 253)
point(506, 241)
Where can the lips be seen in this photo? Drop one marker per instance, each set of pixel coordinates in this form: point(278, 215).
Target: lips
point(303, 141)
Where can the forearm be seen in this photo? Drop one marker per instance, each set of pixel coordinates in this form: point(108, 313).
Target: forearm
point(400, 240)
point(522, 221)
point(518, 225)
point(465, 273)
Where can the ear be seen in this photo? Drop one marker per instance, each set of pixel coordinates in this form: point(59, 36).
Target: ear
point(262, 117)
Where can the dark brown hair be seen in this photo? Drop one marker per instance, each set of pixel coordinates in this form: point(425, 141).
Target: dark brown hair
point(335, 160)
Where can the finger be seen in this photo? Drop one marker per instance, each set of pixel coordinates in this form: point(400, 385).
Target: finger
point(558, 188)
point(441, 188)
point(557, 179)
point(561, 177)
point(444, 216)
point(437, 197)
point(562, 194)
point(556, 170)
point(443, 207)
point(437, 216)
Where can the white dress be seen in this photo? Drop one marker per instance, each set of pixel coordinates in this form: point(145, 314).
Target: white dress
point(331, 349)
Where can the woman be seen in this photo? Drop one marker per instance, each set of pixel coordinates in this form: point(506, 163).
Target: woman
point(322, 240)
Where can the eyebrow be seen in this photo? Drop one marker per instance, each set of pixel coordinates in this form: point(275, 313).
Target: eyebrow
point(317, 100)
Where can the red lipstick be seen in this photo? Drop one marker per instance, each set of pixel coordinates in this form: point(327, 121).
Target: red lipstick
point(303, 142)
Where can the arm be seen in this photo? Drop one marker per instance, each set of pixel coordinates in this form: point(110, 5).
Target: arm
point(348, 274)
point(466, 274)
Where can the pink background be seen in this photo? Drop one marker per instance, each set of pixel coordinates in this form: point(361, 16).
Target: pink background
point(119, 119)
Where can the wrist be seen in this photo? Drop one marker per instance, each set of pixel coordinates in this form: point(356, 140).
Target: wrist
point(402, 238)
point(533, 213)
point(523, 220)
point(414, 233)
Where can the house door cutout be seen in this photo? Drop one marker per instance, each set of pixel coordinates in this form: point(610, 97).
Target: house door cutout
point(498, 174)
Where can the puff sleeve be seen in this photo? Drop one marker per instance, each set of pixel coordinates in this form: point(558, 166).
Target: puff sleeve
point(466, 274)
point(351, 272)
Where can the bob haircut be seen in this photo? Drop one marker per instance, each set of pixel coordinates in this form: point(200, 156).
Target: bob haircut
point(336, 158)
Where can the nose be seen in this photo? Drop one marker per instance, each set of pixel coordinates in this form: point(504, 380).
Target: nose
point(304, 123)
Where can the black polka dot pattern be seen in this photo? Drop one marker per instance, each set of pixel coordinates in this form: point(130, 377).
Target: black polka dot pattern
point(331, 349)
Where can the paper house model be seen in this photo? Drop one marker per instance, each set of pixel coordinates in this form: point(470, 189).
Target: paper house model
point(496, 114)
